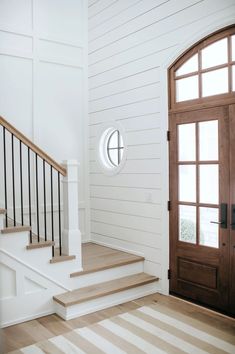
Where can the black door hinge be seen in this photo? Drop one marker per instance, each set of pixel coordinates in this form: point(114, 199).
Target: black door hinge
point(168, 135)
point(169, 274)
point(169, 205)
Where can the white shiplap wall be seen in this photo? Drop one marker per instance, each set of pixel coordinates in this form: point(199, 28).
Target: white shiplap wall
point(131, 45)
point(43, 75)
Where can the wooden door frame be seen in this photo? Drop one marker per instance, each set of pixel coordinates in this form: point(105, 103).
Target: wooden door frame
point(227, 99)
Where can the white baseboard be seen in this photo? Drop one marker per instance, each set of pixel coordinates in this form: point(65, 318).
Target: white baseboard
point(27, 318)
point(117, 248)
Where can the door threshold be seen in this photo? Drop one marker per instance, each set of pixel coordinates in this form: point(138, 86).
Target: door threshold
point(203, 307)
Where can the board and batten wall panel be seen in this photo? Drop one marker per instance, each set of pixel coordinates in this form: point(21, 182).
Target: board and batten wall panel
point(43, 71)
point(131, 45)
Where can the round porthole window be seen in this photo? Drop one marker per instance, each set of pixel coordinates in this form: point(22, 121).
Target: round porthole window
point(111, 149)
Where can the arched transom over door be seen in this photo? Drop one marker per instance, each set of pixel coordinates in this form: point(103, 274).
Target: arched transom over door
point(202, 172)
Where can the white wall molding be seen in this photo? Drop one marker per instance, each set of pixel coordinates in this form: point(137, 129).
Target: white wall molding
point(34, 269)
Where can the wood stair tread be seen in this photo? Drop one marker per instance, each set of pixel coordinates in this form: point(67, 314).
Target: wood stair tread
point(62, 258)
point(40, 244)
point(105, 263)
point(102, 289)
point(11, 229)
point(2, 211)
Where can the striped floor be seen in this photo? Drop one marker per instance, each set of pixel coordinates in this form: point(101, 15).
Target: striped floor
point(150, 329)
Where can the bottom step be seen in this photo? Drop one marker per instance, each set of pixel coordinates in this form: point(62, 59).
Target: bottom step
point(100, 296)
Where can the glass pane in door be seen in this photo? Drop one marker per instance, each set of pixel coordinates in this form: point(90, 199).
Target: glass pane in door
point(209, 232)
point(209, 184)
point(208, 141)
point(187, 223)
point(187, 142)
point(187, 183)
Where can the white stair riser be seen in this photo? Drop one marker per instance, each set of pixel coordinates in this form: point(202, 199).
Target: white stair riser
point(106, 275)
point(70, 312)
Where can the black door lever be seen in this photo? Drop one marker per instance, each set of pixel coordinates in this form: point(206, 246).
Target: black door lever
point(233, 216)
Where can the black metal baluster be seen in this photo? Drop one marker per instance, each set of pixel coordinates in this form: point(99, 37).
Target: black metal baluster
point(13, 178)
point(52, 211)
point(21, 186)
point(5, 171)
point(37, 201)
point(59, 213)
point(29, 183)
point(45, 208)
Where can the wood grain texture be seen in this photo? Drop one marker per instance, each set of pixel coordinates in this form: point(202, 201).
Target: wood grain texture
point(62, 258)
point(18, 336)
point(10, 230)
point(32, 146)
point(40, 244)
point(102, 289)
point(2, 211)
point(96, 258)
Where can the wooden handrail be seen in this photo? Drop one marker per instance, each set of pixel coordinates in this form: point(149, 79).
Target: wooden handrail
point(32, 146)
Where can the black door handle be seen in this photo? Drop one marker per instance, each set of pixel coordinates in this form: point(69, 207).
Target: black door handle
point(223, 215)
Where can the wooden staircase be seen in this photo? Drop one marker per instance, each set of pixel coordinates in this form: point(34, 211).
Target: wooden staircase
point(46, 268)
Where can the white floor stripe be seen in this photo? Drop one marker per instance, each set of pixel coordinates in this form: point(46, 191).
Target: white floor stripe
point(217, 342)
point(131, 337)
point(32, 349)
point(65, 345)
point(164, 335)
point(100, 342)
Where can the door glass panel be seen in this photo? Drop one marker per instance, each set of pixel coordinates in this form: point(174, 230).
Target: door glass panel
point(187, 89)
point(189, 66)
point(209, 233)
point(187, 223)
point(208, 140)
point(215, 82)
point(187, 142)
point(187, 183)
point(215, 54)
point(209, 184)
point(233, 48)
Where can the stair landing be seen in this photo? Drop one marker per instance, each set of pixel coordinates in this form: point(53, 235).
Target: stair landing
point(96, 258)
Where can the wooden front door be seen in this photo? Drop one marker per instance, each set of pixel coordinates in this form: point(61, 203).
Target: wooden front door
point(202, 194)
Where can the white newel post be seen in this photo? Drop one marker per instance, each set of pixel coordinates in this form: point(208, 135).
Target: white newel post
point(71, 238)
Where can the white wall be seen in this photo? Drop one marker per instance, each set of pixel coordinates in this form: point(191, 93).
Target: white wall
point(43, 86)
point(131, 45)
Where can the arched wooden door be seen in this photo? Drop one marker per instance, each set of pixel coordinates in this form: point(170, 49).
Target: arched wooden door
point(202, 172)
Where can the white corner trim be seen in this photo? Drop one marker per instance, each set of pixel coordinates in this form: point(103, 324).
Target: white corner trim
point(34, 269)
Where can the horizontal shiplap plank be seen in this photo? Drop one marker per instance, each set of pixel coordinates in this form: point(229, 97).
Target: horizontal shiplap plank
point(147, 210)
point(139, 137)
point(150, 121)
point(128, 221)
point(118, 9)
point(126, 111)
point(182, 22)
point(148, 181)
point(159, 13)
point(124, 84)
point(150, 254)
point(129, 68)
point(121, 233)
point(135, 152)
point(127, 97)
point(133, 166)
point(130, 194)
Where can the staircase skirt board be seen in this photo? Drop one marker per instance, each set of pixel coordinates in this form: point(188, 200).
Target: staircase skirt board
point(104, 302)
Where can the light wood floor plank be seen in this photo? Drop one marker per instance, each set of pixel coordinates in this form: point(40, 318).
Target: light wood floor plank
point(48, 347)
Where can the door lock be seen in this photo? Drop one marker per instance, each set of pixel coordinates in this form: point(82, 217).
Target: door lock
point(223, 216)
point(233, 216)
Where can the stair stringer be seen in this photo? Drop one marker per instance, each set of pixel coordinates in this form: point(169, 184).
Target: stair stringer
point(25, 293)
